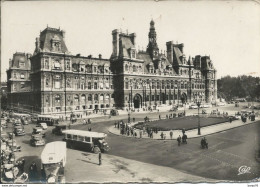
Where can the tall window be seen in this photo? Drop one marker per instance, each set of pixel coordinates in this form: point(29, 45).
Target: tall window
point(89, 85)
point(134, 68)
point(67, 64)
point(89, 97)
point(96, 97)
point(126, 67)
point(57, 98)
point(22, 76)
point(126, 85)
point(95, 85)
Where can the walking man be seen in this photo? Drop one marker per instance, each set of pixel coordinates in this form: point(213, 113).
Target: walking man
point(100, 158)
point(171, 134)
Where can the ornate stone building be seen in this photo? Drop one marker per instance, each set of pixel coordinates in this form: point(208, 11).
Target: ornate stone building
point(59, 82)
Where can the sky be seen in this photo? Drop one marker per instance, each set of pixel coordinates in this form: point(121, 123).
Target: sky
point(228, 31)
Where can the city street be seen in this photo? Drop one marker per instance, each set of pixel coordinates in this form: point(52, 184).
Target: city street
point(228, 151)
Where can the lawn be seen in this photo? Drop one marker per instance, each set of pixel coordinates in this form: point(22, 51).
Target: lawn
point(188, 122)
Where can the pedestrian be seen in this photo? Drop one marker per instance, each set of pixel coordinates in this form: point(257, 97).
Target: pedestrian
point(151, 134)
point(89, 129)
point(132, 132)
point(133, 120)
point(164, 136)
point(159, 116)
point(33, 172)
point(115, 124)
point(118, 124)
point(171, 134)
point(161, 135)
point(22, 165)
point(140, 133)
point(100, 158)
point(183, 131)
point(230, 120)
point(179, 140)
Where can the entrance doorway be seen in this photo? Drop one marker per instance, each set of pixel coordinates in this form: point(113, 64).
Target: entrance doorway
point(183, 98)
point(137, 101)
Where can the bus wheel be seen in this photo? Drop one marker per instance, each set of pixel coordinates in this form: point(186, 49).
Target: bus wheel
point(96, 150)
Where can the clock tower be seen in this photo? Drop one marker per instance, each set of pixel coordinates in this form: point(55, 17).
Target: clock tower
point(152, 47)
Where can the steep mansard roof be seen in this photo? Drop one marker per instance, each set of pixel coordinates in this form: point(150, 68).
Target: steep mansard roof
point(52, 34)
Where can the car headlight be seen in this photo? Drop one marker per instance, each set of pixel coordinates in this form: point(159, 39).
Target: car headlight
point(51, 179)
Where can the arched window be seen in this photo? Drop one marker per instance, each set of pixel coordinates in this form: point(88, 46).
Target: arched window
point(107, 97)
point(89, 97)
point(76, 98)
point(158, 85)
point(96, 97)
point(101, 97)
point(83, 98)
point(95, 85)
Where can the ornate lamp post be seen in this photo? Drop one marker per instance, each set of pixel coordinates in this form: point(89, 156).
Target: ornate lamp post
point(198, 102)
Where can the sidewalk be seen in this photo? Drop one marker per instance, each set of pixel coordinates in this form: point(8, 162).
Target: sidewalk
point(190, 133)
point(115, 169)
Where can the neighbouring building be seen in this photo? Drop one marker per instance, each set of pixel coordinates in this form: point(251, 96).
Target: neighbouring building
point(53, 81)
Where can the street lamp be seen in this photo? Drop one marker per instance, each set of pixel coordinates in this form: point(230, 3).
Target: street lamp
point(198, 102)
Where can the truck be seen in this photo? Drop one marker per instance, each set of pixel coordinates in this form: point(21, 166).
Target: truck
point(53, 161)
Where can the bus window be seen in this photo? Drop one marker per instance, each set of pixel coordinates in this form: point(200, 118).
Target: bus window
point(87, 139)
point(81, 138)
point(74, 137)
point(68, 136)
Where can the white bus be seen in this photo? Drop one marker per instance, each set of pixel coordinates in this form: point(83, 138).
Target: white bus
point(53, 160)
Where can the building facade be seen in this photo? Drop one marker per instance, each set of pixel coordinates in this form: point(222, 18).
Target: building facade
point(58, 82)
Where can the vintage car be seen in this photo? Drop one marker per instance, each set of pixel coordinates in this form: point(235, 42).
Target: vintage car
point(86, 140)
point(13, 146)
point(193, 106)
point(38, 130)
point(42, 125)
point(114, 112)
point(19, 131)
point(59, 128)
point(37, 140)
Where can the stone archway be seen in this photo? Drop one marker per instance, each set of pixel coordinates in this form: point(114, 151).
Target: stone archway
point(137, 101)
point(183, 98)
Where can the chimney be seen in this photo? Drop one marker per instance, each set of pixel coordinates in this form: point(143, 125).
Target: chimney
point(169, 47)
point(89, 56)
point(181, 47)
point(37, 44)
point(100, 56)
point(115, 42)
point(63, 33)
point(132, 38)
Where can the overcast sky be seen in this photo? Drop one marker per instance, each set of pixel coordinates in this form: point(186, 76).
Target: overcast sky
point(228, 31)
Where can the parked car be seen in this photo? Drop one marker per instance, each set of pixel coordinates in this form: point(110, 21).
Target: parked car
point(42, 125)
point(221, 104)
point(193, 106)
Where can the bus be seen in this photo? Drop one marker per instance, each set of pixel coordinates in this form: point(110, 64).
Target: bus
point(49, 120)
point(86, 140)
point(53, 161)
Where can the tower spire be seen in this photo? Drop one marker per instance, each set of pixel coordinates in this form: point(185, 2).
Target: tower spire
point(152, 47)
